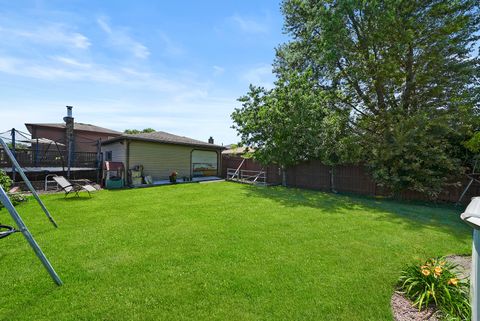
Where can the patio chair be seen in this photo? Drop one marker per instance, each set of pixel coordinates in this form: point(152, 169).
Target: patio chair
point(68, 187)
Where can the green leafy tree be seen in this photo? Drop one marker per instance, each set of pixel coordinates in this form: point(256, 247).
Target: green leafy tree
point(136, 131)
point(473, 144)
point(291, 123)
point(404, 72)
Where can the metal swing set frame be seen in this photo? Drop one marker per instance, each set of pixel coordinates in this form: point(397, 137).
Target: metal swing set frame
point(21, 227)
point(473, 177)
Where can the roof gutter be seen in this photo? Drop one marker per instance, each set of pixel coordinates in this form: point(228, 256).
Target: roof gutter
point(120, 138)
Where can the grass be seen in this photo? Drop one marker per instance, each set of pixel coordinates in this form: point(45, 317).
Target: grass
point(220, 251)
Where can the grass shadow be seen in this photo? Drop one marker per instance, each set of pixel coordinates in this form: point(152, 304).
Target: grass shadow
point(412, 215)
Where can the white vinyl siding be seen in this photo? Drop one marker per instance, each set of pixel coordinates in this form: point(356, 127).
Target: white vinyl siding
point(160, 160)
point(118, 151)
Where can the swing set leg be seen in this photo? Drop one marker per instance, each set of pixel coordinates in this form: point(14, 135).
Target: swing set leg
point(28, 236)
point(464, 192)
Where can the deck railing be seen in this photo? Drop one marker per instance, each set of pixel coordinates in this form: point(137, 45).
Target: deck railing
point(53, 158)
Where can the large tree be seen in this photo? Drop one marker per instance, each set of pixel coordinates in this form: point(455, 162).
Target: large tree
point(291, 123)
point(406, 73)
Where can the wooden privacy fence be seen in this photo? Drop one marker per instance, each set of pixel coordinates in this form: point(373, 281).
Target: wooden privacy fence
point(345, 179)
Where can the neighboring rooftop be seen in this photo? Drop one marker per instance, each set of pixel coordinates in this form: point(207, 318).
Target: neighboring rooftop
point(231, 150)
point(162, 137)
point(77, 126)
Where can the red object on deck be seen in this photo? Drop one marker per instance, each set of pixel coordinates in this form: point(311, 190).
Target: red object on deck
point(113, 166)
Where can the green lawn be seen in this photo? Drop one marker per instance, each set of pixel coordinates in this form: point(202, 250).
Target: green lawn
point(219, 251)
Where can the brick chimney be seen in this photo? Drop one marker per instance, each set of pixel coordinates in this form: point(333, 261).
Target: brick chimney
point(69, 136)
point(210, 140)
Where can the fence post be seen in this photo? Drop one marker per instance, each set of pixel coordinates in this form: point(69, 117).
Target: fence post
point(284, 176)
point(332, 179)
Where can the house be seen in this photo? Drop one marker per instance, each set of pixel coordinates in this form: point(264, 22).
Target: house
point(161, 153)
point(84, 137)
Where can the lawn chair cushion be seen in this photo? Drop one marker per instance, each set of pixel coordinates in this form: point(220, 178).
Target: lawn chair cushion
point(69, 187)
point(62, 181)
point(89, 188)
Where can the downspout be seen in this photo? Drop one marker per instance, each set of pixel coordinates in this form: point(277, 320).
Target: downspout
point(219, 164)
point(191, 164)
point(127, 160)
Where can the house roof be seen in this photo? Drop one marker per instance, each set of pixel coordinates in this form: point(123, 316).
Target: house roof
point(77, 126)
point(163, 137)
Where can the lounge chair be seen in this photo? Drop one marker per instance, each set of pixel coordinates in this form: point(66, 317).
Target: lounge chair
point(68, 187)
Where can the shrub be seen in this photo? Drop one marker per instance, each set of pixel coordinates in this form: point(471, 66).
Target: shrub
point(6, 183)
point(436, 282)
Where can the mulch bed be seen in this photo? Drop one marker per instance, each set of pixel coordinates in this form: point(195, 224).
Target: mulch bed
point(403, 309)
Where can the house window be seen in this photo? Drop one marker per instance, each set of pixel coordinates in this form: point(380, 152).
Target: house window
point(108, 156)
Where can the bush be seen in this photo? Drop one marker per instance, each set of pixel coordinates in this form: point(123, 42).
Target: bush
point(6, 183)
point(435, 282)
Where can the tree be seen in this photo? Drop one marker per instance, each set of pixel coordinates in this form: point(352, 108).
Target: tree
point(136, 131)
point(406, 74)
point(291, 123)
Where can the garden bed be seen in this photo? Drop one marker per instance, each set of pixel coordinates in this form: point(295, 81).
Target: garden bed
point(403, 309)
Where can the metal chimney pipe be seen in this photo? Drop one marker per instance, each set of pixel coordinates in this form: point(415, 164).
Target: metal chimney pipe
point(69, 138)
point(69, 111)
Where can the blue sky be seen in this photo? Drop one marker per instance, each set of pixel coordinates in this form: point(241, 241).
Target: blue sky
point(173, 66)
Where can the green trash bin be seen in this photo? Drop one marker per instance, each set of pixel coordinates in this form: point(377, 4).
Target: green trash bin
point(114, 182)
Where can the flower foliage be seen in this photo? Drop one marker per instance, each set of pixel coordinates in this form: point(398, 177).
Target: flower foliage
point(435, 282)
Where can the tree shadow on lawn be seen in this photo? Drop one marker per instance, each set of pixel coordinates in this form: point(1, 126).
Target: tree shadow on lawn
point(415, 215)
point(75, 199)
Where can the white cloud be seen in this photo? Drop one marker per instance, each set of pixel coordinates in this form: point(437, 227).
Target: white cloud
point(104, 25)
point(261, 75)
point(250, 25)
point(53, 34)
point(57, 64)
point(217, 70)
point(59, 68)
point(119, 37)
point(71, 62)
point(170, 47)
